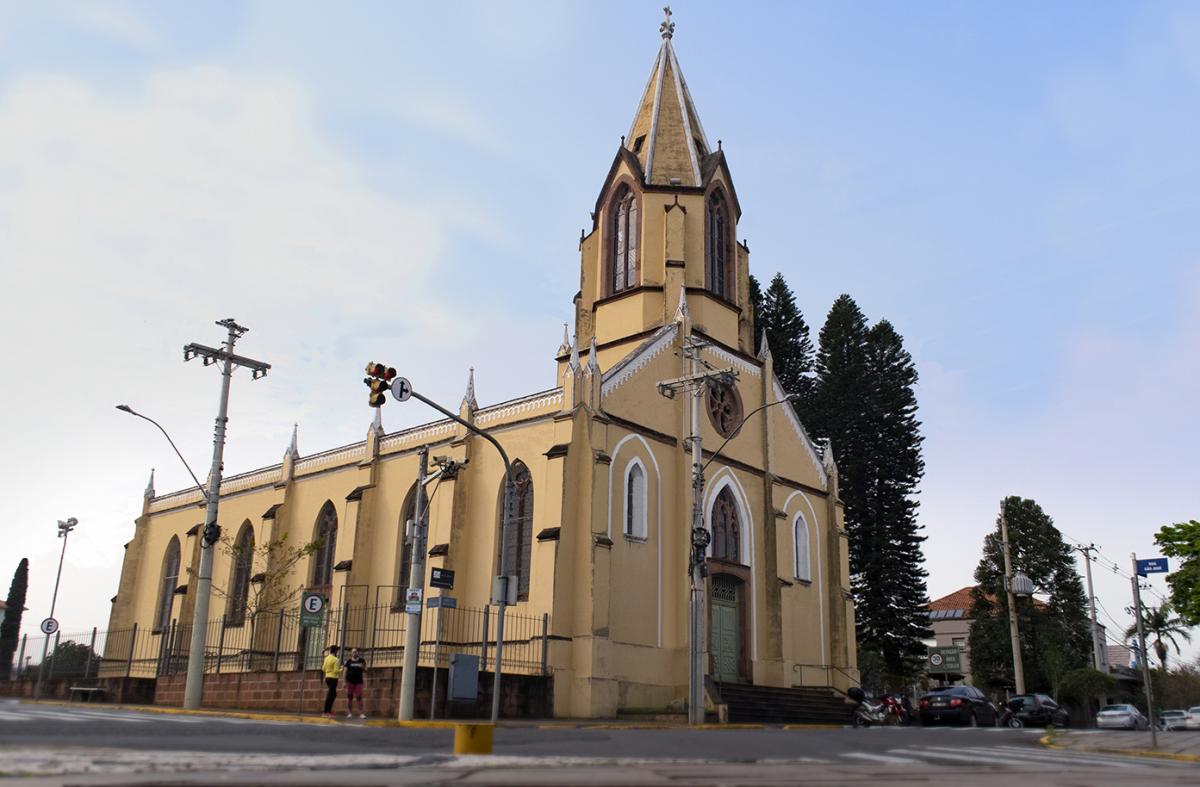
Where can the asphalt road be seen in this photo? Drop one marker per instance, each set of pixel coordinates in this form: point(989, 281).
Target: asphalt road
point(98, 745)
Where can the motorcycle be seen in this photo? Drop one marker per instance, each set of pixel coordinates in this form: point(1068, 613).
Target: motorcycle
point(1008, 718)
point(889, 710)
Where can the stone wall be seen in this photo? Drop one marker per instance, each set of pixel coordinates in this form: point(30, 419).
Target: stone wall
point(524, 696)
point(130, 691)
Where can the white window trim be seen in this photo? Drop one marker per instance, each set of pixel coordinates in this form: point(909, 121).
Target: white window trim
point(803, 573)
point(641, 530)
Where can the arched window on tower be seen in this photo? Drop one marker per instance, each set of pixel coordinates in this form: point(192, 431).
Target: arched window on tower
point(635, 501)
point(726, 530)
point(325, 533)
point(516, 551)
point(404, 549)
point(167, 585)
point(803, 563)
point(239, 575)
point(717, 245)
point(624, 240)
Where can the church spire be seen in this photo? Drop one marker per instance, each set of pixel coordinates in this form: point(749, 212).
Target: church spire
point(666, 135)
point(149, 493)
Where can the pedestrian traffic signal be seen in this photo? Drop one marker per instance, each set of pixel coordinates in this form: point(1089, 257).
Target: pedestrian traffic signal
point(379, 380)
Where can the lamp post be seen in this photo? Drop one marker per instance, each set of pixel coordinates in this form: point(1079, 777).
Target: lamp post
point(696, 384)
point(64, 530)
point(1014, 585)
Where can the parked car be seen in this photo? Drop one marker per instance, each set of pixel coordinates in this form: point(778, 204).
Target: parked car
point(1121, 717)
point(961, 704)
point(1179, 719)
point(1037, 710)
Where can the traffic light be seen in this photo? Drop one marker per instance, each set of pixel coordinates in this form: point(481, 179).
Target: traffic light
point(379, 380)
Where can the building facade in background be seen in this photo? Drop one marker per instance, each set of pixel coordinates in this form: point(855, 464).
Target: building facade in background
point(603, 475)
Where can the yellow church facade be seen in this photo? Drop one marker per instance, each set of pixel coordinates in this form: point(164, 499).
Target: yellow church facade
point(603, 467)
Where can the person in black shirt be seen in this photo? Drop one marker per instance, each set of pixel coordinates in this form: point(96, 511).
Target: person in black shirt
point(352, 670)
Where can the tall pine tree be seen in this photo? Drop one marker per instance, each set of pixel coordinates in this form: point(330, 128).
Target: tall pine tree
point(756, 298)
point(1053, 632)
point(891, 582)
point(10, 629)
point(791, 347)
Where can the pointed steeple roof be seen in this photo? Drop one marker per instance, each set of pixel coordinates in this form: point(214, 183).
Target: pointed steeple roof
point(149, 493)
point(666, 134)
point(293, 449)
point(469, 397)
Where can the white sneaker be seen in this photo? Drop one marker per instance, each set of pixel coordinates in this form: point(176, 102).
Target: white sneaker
point(363, 716)
point(349, 715)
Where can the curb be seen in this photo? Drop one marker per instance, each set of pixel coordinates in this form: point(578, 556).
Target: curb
point(1048, 742)
point(292, 717)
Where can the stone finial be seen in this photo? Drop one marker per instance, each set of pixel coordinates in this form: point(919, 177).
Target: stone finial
point(149, 493)
point(469, 397)
point(667, 28)
point(827, 458)
point(764, 348)
point(681, 312)
point(565, 347)
point(574, 363)
point(377, 422)
point(593, 366)
point(293, 449)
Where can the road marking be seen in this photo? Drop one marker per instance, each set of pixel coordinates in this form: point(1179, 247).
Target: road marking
point(1018, 756)
point(882, 758)
point(11, 716)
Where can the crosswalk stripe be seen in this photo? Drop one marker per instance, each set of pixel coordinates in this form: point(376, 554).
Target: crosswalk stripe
point(97, 714)
point(76, 717)
point(10, 716)
point(881, 758)
point(1026, 756)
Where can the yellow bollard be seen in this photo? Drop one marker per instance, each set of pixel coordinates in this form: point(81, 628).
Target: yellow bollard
point(473, 738)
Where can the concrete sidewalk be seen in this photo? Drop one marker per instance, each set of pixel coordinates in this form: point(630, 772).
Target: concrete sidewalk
point(1181, 745)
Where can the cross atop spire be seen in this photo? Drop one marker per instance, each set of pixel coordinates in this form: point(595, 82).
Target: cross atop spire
point(667, 28)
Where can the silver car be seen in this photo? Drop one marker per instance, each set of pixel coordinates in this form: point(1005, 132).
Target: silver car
point(1121, 717)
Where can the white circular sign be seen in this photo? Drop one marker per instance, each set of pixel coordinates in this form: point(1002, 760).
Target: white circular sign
point(313, 604)
point(401, 389)
point(935, 659)
point(49, 626)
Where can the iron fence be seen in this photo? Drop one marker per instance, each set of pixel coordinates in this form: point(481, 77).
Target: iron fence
point(275, 641)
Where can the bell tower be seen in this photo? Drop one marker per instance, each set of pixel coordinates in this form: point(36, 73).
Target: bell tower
point(664, 227)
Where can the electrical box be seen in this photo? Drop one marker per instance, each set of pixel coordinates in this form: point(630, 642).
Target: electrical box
point(464, 677)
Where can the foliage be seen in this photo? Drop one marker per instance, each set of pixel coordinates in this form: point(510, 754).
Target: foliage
point(864, 403)
point(1060, 622)
point(1182, 541)
point(788, 337)
point(10, 629)
point(1178, 688)
point(756, 298)
point(72, 658)
point(1086, 683)
point(272, 587)
point(1159, 624)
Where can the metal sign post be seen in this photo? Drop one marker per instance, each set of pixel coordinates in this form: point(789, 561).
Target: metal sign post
point(1137, 611)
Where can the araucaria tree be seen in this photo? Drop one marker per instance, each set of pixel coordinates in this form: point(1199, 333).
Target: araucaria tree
point(787, 334)
point(1054, 628)
point(10, 629)
point(865, 404)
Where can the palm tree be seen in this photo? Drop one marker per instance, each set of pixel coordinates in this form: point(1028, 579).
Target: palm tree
point(1160, 625)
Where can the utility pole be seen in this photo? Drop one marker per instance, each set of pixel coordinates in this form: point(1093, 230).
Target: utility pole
point(64, 530)
point(1142, 657)
point(695, 383)
point(416, 579)
point(1014, 635)
point(1096, 644)
point(194, 685)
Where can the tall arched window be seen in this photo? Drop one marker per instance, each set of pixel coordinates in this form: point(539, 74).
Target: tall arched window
point(516, 550)
point(167, 585)
point(404, 547)
point(326, 533)
point(800, 534)
point(726, 531)
point(635, 500)
point(717, 244)
point(624, 245)
point(239, 575)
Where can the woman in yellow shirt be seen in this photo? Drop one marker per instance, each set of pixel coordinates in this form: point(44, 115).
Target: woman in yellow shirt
point(332, 668)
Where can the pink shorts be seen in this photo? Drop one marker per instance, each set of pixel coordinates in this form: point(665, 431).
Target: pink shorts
point(354, 690)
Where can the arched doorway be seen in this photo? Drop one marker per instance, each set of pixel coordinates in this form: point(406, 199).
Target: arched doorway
point(725, 627)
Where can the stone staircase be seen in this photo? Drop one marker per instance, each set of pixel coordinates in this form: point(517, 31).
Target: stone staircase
point(775, 705)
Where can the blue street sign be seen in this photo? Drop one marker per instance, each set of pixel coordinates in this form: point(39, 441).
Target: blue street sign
point(1154, 565)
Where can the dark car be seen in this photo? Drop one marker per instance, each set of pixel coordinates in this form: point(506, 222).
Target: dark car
point(957, 704)
point(1038, 710)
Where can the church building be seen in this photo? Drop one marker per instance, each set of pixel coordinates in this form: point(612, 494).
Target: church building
point(603, 472)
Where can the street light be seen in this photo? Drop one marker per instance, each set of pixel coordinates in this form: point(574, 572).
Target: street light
point(127, 409)
point(1014, 585)
point(64, 530)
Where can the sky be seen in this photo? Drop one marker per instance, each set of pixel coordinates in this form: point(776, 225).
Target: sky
point(1011, 185)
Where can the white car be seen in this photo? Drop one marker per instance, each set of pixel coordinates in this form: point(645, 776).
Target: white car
point(1177, 720)
point(1121, 717)
point(1194, 722)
